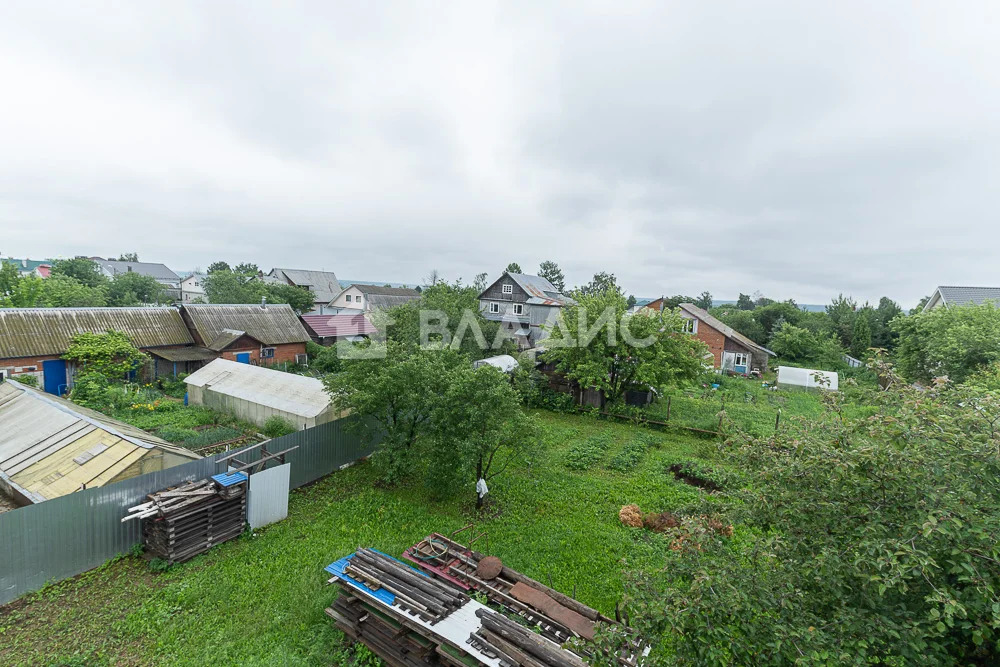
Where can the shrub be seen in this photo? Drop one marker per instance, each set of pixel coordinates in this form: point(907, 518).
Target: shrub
point(276, 426)
point(30, 380)
point(631, 454)
point(587, 453)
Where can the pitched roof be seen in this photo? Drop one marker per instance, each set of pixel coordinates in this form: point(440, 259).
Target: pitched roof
point(31, 332)
point(339, 325)
point(225, 338)
point(25, 265)
point(52, 446)
point(963, 296)
point(719, 325)
point(274, 324)
point(323, 284)
point(539, 290)
point(387, 291)
point(379, 297)
point(287, 392)
point(153, 269)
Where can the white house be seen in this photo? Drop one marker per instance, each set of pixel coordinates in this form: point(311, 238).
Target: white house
point(945, 296)
point(359, 298)
point(193, 288)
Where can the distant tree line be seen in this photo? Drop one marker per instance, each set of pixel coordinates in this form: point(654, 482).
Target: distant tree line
point(77, 282)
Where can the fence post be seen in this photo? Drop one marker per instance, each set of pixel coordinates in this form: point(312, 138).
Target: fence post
point(719, 428)
point(668, 408)
point(777, 419)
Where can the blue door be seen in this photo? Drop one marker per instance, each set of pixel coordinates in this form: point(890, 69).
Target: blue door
point(55, 376)
point(243, 357)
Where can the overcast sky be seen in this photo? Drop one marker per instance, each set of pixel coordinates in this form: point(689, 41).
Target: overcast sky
point(797, 148)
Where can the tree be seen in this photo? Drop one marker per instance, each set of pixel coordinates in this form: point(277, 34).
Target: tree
point(25, 292)
point(513, 267)
point(955, 341)
point(479, 429)
point(742, 321)
point(248, 269)
point(882, 333)
point(84, 270)
point(630, 302)
point(866, 541)
point(216, 267)
point(603, 282)
point(861, 336)
point(223, 286)
point(704, 301)
point(770, 315)
point(551, 272)
point(842, 312)
point(745, 302)
point(596, 345)
point(299, 298)
point(801, 345)
point(133, 289)
point(397, 395)
point(9, 278)
point(669, 303)
point(128, 257)
point(63, 291)
point(111, 354)
point(920, 304)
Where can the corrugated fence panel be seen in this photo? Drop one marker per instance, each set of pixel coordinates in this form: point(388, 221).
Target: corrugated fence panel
point(65, 536)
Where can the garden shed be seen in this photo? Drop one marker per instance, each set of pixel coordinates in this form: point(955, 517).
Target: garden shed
point(256, 394)
point(806, 378)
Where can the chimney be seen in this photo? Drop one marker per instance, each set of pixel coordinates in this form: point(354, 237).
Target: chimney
point(263, 302)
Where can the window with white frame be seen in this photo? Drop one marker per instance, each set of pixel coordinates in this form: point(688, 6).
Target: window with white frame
point(348, 298)
point(741, 359)
point(357, 299)
point(507, 288)
point(494, 307)
point(519, 309)
point(689, 325)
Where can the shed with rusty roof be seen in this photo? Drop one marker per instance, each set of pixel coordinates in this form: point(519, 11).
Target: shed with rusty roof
point(52, 447)
point(253, 334)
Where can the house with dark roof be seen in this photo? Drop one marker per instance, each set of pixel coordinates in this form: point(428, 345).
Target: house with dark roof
point(526, 306)
point(945, 296)
point(361, 298)
point(159, 272)
point(252, 334)
point(33, 340)
point(323, 284)
point(330, 329)
point(730, 350)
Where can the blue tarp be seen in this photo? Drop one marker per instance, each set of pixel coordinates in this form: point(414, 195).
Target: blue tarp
point(337, 570)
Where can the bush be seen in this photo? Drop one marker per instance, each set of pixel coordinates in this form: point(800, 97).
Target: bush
point(30, 380)
point(276, 426)
point(556, 401)
point(632, 453)
point(587, 453)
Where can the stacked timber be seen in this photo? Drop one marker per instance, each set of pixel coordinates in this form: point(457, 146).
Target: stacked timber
point(385, 635)
point(186, 520)
point(515, 644)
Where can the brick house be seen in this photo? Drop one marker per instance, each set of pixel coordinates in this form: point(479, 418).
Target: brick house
point(251, 334)
point(33, 340)
point(730, 349)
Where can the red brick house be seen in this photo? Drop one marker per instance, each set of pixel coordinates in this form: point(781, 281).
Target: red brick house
point(730, 349)
point(252, 334)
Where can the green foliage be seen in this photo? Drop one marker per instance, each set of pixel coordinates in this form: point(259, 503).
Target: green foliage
point(602, 283)
point(744, 302)
point(953, 342)
point(513, 267)
point(861, 335)
point(841, 313)
point(742, 321)
point(110, 354)
point(26, 292)
point(243, 285)
point(64, 291)
point(322, 358)
point(30, 380)
point(704, 300)
point(632, 454)
point(133, 289)
point(872, 541)
point(796, 344)
point(84, 271)
point(551, 272)
point(277, 426)
point(647, 349)
point(587, 454)
point(216, 267)
point(128, 257)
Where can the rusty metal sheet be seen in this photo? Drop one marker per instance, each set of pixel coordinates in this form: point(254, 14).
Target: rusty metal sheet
point(542, 602)
point(489, 568)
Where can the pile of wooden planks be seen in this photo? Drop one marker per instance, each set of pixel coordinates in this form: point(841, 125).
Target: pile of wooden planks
point(186, 520)
point(515, 644)
point(397, 645)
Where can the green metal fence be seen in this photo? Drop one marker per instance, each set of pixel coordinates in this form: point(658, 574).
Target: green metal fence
point(65, 536)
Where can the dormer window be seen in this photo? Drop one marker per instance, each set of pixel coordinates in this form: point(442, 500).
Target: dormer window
point(508, 288)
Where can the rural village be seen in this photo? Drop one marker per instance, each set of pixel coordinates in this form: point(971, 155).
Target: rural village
point(491, 473)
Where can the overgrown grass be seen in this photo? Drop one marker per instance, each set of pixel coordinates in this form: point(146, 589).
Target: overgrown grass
point(259, 599)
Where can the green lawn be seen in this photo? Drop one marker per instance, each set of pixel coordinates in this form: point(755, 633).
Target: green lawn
point(259, 600)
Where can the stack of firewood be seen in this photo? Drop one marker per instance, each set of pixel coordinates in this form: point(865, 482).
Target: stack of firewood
point(184, 521)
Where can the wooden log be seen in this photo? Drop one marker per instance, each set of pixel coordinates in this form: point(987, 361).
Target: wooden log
point(519, 636)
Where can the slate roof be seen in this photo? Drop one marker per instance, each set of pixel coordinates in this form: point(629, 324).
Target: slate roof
point(194, 353)
point(153, 269)
point(274, 324)
point(323, 284)
point(963, 296)
point(387, 291)
point(540, 291)
point(719, 325)
point(339, 325)
point(34, 332)
point(52, 446)
point(378, 297)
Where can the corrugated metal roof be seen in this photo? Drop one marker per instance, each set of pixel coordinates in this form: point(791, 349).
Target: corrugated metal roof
point(230, 478)
point(184, 353)
point(287, 392)
point(153, 269)
point(52, 447)
point(540, 291)
point(719, 325)
point(30, 332)
point(273, 325)
point(323, 284)
point(953, 295)
point(339, 325)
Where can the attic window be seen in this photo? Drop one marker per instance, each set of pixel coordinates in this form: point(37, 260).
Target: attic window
point(348, 298)
point(507, 288)
point(689, 326)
